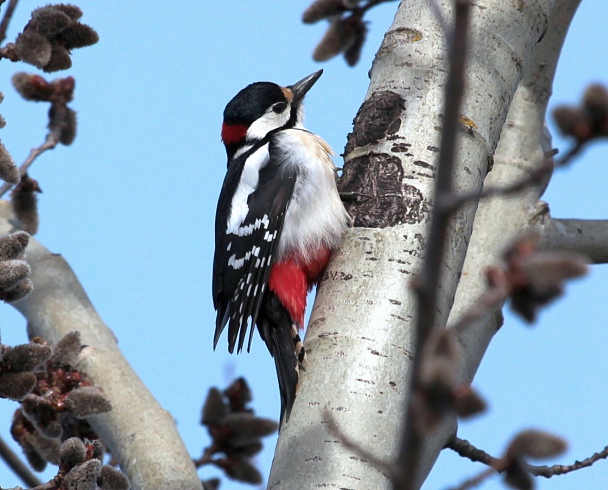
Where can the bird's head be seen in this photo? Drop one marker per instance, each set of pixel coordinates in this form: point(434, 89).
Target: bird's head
point(262, 107)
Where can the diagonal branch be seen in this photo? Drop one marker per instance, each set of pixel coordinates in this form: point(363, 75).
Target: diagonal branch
point(58, 305)
point(18, 467)
point(585, 236)
point(10, 9)
point(427, 283)
point(467, 450)
point(50, 142)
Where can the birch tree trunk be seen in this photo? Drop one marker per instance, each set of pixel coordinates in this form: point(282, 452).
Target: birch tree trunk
point(359, 340)
point(360, 336)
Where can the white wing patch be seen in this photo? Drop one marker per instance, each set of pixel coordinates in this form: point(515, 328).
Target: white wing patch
point(247, 185)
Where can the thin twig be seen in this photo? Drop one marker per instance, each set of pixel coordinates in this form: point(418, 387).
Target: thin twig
point(372, 3)
point(7, 18)
point(17, 466)
point(427, 284)
point(51, 141)
point(475, 481)
point(567, 158)
point(453, 202)
point(560, 469)
point(467, 450)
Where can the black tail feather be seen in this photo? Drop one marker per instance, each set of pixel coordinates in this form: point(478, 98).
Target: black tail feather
point(275, 327)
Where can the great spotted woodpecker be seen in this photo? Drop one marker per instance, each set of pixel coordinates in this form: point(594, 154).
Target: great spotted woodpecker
point(279, 217)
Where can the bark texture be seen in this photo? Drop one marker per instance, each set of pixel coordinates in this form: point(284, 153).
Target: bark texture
point(360, 339)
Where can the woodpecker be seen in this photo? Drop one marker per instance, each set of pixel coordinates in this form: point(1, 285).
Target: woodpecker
point(279, 217)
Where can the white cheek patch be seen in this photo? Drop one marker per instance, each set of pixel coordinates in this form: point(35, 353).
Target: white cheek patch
point(247, 185)
point(269, 121)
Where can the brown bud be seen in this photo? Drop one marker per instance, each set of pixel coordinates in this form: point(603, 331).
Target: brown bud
point(83, 477)
point(24, 204)
point(8, 170)
point(112, 479)
point(353, 53)
point(86, 401)
point(48, 21)
point(67, 349)
point(13, 245)
point(595, 103)
point(515, 476)
point(33, 48)
point(59, 59)
point(536, 444)
point(25, 357)
point(16, 386)
point(77, 36)
point(321, 9)
point(20, 291)
point(211, 484)
point(13, 271)
point(467, 402)
point(72, 452)
point(72, 11)
point(338, 37)
point(214, 408)
point(571, 121)
point(238, 394)
point(244, 428)
point(68, 133)
point(242, 470)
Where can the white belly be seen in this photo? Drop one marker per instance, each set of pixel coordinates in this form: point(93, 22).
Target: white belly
point(315, 217)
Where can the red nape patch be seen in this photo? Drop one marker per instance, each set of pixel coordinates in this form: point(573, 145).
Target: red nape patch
point(291, 279)
point(233, 133)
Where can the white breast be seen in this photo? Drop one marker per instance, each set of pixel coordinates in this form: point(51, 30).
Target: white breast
point(316, 217)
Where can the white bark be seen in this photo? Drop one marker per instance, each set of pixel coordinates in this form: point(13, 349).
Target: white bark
point(138, 432)
point(360, 335)
point(587, 237)
point(523, 142)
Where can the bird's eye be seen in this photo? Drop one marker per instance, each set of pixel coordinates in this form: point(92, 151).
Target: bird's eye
point(279, 107)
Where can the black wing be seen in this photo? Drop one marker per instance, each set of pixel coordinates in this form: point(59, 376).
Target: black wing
point(242, 261)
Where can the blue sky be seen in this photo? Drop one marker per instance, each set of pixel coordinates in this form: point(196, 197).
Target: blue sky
point(131, 204)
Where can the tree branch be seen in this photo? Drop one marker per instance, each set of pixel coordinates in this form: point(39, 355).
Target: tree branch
point(467, 450)
point(50, 142)
point(150, 458)
point(587, 237)
point(18, 467)
point(6, 19)
point(427, 283)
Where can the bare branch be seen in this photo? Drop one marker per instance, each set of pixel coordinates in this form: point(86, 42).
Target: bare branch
point(59, 305)
point(51, 141)
point(10, 9)
point(587, 237)
point(467, 450)
point(18, 467)
point(427, 283)
point(534, 178)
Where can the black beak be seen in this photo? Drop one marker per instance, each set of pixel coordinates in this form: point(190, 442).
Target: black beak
point(300, 88)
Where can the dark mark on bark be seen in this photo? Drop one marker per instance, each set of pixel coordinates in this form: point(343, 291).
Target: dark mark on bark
point(378, 116)
point(420, 163)
point(382, 198)
point(401, 148)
